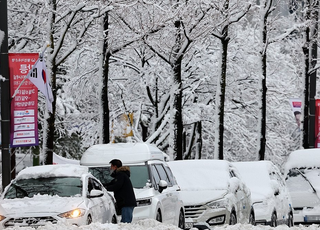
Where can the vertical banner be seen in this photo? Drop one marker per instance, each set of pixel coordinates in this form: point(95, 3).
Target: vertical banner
point(24, 106)
point(317, 124)
point(296, 109)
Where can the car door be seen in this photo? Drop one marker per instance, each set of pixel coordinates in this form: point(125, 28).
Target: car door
point(243, 199)
point(95, 204)
point(282, 197)
point(165, 197)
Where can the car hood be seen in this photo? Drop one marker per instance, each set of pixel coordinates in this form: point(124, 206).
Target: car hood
point(196, 197)
point(40, 204)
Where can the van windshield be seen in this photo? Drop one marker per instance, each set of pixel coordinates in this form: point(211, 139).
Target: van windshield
point(139, 175)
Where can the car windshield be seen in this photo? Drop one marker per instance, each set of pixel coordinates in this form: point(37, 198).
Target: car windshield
point(296, 182)
point(139, 175)
point(60, 186)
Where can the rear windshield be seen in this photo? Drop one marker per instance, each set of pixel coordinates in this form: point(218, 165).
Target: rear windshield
point(60, 186)
point(139, 175)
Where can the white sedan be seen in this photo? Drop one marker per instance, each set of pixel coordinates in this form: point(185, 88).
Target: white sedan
point(271, 199)
point(53, 193)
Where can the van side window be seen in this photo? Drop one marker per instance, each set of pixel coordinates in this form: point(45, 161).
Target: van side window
point(170, 175)
point(155, 176)
point(163, 174)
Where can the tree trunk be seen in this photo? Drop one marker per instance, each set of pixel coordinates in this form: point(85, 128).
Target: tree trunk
point(225, 42)
point(105, 79)
point(177, 119)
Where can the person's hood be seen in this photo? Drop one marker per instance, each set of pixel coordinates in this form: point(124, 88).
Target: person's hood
point(42, 204)
point(125, 169)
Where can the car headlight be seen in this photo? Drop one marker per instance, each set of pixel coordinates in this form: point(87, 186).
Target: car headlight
point(223, 203)
point(2, 218)
point(73, 213)
point(144, 202)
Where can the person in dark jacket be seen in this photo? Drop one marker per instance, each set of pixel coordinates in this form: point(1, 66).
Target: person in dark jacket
point(122, 188)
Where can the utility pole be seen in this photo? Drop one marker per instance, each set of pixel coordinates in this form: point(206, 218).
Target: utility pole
point(5, 95)
point(310, 51)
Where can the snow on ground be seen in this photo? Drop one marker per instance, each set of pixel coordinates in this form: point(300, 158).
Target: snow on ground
point(154, 225)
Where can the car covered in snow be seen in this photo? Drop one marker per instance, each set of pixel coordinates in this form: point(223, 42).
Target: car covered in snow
point(271, 199)
point(53, 193)
point(156, 191)
point(302, 170)
point(213, 193)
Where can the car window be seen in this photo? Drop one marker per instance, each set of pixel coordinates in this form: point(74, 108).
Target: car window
point(155, 176)
point(102, 174)
point(170, 175)
point(163, 174)
point(139, 175)
point(60, 186)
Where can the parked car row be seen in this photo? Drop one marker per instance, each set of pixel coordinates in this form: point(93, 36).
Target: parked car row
point(186, 193)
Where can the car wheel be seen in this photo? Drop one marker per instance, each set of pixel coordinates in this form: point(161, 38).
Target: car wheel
point(233, 218)
point(89, 220)
point(274, 220)
point(181, 223)
point(252, 219)
point(114, 220)
point(158, 216)
point(290, 220)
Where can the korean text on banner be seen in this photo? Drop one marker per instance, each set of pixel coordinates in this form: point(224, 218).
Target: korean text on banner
point(24, 106)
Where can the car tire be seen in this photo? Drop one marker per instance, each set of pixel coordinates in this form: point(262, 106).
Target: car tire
point(273, 220)
point(159, 216)
point(290, 220)
point(114, 220)
point(89, 220)
point(233, 218)
point(252, 219)
point(181, 223)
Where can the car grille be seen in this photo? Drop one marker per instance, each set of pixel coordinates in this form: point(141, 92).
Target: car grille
point(29, 221)
point(194, 211)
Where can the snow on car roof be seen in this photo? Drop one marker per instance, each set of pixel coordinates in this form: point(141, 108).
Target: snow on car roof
point(303, 158)
point(69, 170)
point(196, 175)
point(102, 154)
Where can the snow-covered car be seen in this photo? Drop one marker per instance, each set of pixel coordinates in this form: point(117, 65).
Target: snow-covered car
point(156, 191)
point(271, 199)
point(53, 193)
point(212, 192)
point(302, 170)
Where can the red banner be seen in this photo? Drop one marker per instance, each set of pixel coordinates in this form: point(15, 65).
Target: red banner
point(317, 124)
point(24, 105)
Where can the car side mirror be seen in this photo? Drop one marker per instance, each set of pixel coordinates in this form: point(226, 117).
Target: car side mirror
point(162, 185)
point(95, 193)
point(275, 186)
point(234, 184)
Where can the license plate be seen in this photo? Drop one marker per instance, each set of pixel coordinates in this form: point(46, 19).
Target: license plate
point(189, 225)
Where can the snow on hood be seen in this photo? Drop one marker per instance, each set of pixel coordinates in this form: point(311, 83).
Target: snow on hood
point(256, 177)
point(44, 204)
point(201, 174)
point(201, 197)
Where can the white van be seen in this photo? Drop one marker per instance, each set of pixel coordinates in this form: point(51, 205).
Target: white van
point(302, 170)
point(156, 190)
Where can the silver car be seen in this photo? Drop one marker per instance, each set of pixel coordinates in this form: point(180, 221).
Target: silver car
point(213, 193)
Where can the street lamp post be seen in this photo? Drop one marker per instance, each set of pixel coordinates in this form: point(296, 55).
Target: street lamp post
point(5, 95)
